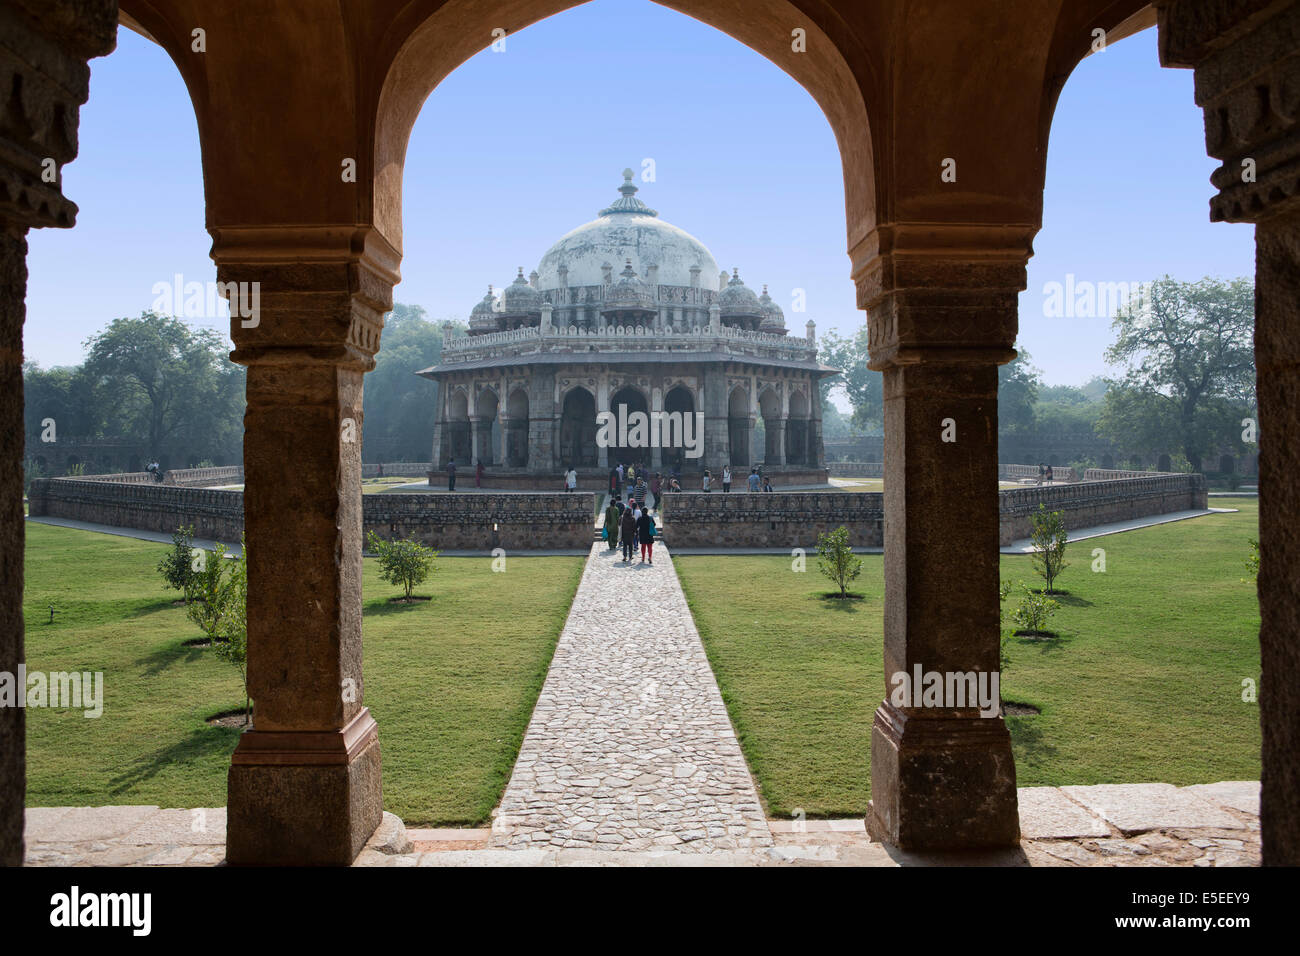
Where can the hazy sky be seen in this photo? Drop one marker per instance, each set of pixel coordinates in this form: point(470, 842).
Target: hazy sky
point(518, 147)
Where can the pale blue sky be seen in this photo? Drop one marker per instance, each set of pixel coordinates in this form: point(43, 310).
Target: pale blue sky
point(516, 148)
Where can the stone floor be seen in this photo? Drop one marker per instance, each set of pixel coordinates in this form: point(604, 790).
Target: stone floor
point(1148, 824)
point(630, 746)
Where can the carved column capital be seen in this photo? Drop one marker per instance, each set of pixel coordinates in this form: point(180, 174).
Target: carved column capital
point(44, 46)
point(941, 292)
point(320, 292)
point(1246, 57)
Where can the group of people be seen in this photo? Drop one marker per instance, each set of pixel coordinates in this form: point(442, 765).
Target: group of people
point(755, 481)
point(1044, 473)
point(634, 481)
point(631, 524)
point(451, 474)
point(154, 469)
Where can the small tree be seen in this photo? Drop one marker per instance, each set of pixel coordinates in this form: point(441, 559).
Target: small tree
point(1049, 536)
point(1033, 612)
point(211, 601)
point(407, 562)
point(836, 559)
point(176, 566)
point(1252, 562)
point(233, 648)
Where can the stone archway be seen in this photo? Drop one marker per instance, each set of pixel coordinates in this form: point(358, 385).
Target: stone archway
point(578, 429)
point(486, 427)
point(459, 440)
point(740, 427)
point(937, 269)
point(679, 402)
point(797, 429)
point(769, 406)
point(517, 429)
point(625, 402)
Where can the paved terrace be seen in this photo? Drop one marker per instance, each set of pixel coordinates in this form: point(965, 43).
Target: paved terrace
point(1148, 824)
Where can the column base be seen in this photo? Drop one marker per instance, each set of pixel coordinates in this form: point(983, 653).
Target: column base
point(942, 783)
point(304, 798)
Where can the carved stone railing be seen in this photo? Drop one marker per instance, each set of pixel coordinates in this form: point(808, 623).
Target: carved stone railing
point(530, 340)
point(198, 477)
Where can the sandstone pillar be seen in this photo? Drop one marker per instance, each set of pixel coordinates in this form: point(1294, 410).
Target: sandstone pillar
point(475, 439)
point(1247, 74)
point(942, 776)
point(44, 46)
point(304, 783)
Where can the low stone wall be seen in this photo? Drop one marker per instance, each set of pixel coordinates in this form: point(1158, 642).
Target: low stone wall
point(483, 522)
point(204, 477)
point(1091, 503)
point(457, 522)
point(148, 506)
point(1114, 474)
point(856, 469)
point(1017, 472)
point(124, 478)
point(771, 520)
point(397, 469)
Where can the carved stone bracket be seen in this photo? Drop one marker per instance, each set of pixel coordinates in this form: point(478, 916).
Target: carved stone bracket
point(1246, 56)
point(44, 46)
point(941, 292)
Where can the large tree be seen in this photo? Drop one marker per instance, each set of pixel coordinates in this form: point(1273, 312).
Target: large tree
point(1186, 354)
point(863, 387)
point(1018, 385)
point(164, 382)
point(399, 405)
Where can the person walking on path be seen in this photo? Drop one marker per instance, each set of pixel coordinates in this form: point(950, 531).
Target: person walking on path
point(626, 532)
point(656, 487)
point(726, 479)
point(612, 519)
point(478, 474)
point(451, 474)
point(571, 480)
point(640, 492)
point(708, 480)
point(767, 483)
point(645, 534)
point(614, 482)
point(753, 479)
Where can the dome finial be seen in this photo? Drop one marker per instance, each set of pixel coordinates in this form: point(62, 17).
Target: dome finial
point(628, 203)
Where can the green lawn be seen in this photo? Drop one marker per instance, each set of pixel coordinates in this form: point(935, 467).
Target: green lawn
point(1144, 683)
point(452, 681)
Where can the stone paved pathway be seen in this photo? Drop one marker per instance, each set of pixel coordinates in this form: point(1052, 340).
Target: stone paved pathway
point(630, 746)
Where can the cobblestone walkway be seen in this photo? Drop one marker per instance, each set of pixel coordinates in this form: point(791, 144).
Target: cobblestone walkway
point(630, 747)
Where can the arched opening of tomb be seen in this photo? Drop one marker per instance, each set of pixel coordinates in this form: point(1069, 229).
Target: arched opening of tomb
point(740, 426)
point(578, 430)
point(630, 427)
point(516, 428)
point(456, 436)
point(677, 427)
point(769, 405)
point(486, 428)
point(797, 430)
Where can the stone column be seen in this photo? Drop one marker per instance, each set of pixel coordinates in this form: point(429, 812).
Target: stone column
point(304, 785)
point(1247, 74)
point(717, 425)
point(938, 327)
point(504, 459)
point(656, 406)
point(44, 46)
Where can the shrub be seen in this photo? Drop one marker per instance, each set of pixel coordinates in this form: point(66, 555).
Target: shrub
point(836, 559)
point(233, 627)
point(209, 588)
point(177, 565)
point(1049, 536)
point(406, 563)
point(1033, 612)
point(76, 470)
point(1252, 562)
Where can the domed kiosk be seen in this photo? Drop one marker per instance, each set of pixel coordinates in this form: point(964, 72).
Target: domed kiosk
point(627, 320)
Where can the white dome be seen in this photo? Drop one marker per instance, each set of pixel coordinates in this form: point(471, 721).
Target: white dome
point(627, 230)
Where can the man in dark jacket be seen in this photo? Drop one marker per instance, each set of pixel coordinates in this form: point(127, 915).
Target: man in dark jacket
point(451, 475)
point(645, 534)
point(626, 532)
